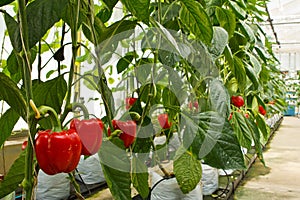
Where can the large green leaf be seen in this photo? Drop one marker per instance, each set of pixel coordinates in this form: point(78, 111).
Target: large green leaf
point(241, 129)
point(226, 19)
point(226, 153)
point(10, 93)
point(5, 2)
point(116, 169)
point(140, 177)
point(50, 93)
point(210, 136)
point(187, 170)
point(219, 98)
point(13, 32)
point(7, 123)
point(41, 16)
point(14, 177)
point(196, 20)
point(239, 71)
point(139, 8)
point(219, 41)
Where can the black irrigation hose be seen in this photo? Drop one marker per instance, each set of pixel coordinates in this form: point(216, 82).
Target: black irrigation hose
point(225, 190)
point(81, 179)
point(157, 183)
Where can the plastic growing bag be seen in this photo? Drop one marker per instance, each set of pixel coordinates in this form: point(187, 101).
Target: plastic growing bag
point(168, 189)
point(210, 179)
point(90, 170)
point(52, 187)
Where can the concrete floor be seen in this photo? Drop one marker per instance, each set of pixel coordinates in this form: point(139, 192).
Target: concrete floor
point(280, 178)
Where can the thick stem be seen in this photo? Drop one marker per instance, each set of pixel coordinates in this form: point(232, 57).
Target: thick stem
point(53, 117)
point(83, 109)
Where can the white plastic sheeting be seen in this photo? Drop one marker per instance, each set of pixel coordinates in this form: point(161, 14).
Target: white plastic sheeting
point(285, 15)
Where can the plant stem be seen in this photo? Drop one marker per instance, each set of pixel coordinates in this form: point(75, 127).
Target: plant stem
point(74, 55)
point(28, 182)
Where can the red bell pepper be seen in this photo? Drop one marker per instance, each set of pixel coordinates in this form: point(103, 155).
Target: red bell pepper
point(128, 129)
point(90, 132)
point(163, 120)
point(129, 101)
point(238, 101)
point(57, 152)
point(262, 110)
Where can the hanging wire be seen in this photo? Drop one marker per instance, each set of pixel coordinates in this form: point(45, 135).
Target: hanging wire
point(270, 20)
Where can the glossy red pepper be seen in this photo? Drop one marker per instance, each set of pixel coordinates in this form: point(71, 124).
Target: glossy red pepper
point(58, 152)
point(163, 120)
point(128, 129)
point(238, 101)
point(129, 101)
point(24, 145)
point(262, 110)
point(90, 132)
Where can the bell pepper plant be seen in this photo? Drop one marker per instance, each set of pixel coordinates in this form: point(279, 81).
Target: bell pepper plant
point(90, 132)
point(173, 75)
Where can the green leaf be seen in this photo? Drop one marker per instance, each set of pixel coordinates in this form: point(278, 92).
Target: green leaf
point(261, 123)
point(12, 95)
point(5, 2)
point(252, 75)
point(239, 12)
point(140, 177)
point(256, 138)
point(241, 129)
point(239, 71)
point(210, 136)
point(50, 93)
point(187, 170)
point(226, 153)
point(110, 3)
point(14, 177)
point(196, 20)
point(7, 124)
point(262, 53)
point(219, 41)
point(246, 29)
point(104, 14)
point(139, 8)
point(15, 71)
point(124, 62)
point(219, 98)
point(41, 16)
point(255, 63)
point(13, 32)
point(227, 20)
point(116, 169)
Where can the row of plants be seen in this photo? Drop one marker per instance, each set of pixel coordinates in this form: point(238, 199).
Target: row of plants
point(204, 70)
